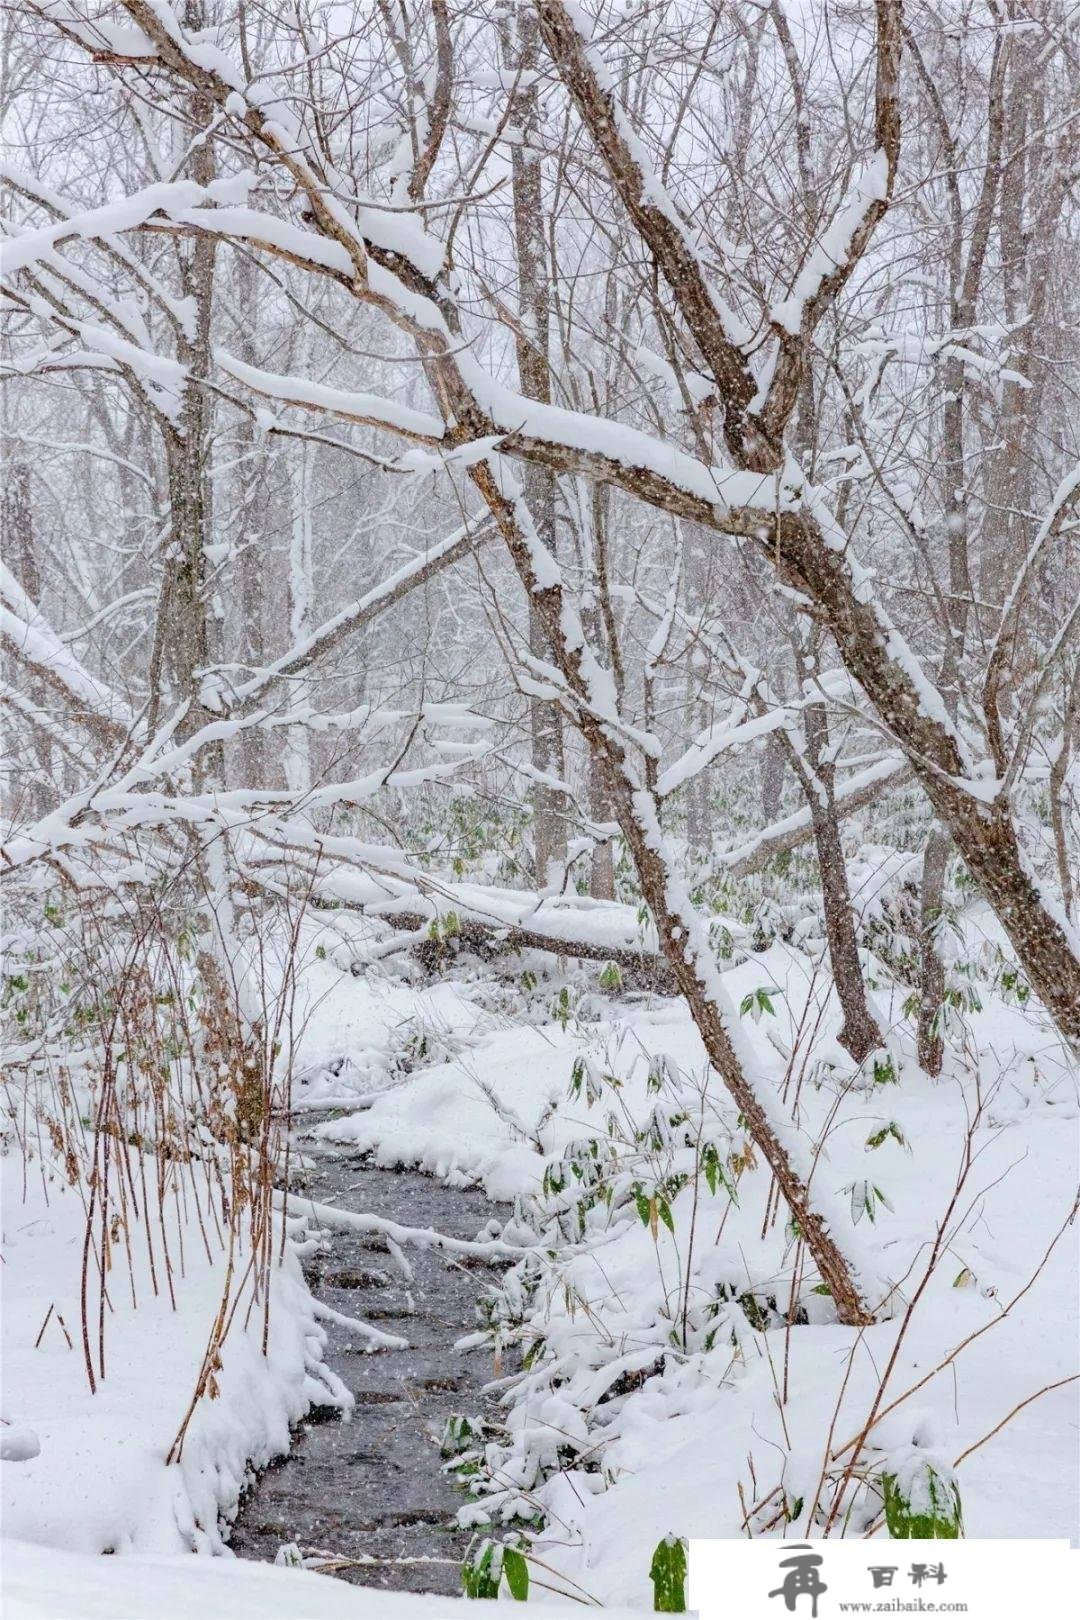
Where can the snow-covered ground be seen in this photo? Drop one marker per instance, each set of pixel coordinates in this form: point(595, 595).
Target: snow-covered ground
point(43, 1584)
point(653, 1404)
point(351, 1034)
point(666, 1391)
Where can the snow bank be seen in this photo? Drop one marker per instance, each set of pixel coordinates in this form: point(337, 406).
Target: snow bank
point(100, 1482)
point(353, 1036)
point(50, 1585)
point(473, 1118)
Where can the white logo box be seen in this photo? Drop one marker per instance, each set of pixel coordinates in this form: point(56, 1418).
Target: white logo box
point(824, 1580)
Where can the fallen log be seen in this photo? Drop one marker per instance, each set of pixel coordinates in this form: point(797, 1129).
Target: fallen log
point(640, 970)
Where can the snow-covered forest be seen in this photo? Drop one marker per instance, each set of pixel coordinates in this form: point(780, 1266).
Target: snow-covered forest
point(541, 804)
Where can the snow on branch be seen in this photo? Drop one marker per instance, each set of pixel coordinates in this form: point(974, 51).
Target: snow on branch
point(858, 792)
point(416, 572)
point(367, 409)
point(568, 39)
point(716, 740)
point(111, 219)
point(33, 640)
point(834, 252)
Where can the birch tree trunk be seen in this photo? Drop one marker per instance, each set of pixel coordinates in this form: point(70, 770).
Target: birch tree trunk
point(297, 755)
point(533, 342)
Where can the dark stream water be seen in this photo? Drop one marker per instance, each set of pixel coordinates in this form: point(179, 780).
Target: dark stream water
point(372, 1486)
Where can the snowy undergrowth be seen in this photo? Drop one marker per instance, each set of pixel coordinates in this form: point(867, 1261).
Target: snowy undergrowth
point(160, 1340)
point(683, 1369)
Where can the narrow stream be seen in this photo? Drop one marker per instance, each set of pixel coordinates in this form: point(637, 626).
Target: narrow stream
point(372, 1486)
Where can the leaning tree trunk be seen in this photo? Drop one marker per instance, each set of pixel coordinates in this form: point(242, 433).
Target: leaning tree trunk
point(682, 938)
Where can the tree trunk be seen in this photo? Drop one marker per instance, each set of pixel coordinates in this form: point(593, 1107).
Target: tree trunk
point(698, 823)
point(533, 342)
point(296, 759)
point(1058, 786)
point(251, 500)
point(599, 619)
point(772, 778)
point(183, 606)
point(602, 866)
point(931, 1046)
point(17, 526)
point(859, 1033)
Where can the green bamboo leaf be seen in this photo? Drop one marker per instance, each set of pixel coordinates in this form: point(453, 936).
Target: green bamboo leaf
point(516, 1571)
point(668, 1575)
